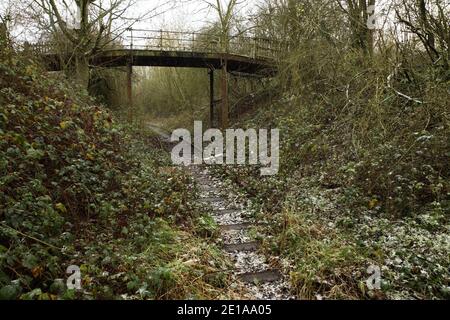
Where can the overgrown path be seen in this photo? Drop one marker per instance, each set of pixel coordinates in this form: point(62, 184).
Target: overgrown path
point(259, 275)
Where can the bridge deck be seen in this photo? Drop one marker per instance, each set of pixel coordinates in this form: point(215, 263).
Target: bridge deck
point(143, 57)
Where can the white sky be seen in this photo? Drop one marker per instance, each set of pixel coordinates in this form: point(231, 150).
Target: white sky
point(185, 15)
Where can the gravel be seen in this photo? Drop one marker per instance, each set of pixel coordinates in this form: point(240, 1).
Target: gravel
point(244, 261)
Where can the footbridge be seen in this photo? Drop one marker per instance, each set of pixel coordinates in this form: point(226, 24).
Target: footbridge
point(240, 55)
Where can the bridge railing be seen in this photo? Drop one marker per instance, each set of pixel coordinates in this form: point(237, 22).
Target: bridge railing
point(162, 40)
point(199, 42)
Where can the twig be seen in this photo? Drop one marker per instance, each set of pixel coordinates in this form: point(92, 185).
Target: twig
point(31, 237)
point(389, 80)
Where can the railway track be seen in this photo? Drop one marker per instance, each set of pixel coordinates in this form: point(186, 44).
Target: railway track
point(258, 274)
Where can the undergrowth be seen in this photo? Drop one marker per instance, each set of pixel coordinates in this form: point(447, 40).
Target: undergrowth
point(363, 180)
point(79, 188)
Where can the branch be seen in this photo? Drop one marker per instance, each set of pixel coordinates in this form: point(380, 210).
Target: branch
point(389, 80)
point(61, 23)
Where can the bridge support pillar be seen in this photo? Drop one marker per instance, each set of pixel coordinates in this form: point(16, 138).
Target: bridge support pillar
point(129, 91)
point(211, 98)
point(224, 92)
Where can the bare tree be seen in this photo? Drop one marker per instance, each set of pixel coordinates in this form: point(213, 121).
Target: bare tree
point(430, 22)
point(9, 15)
point(294, 23)
point(100, 22)
point(4, 36)
point(357, 12)
point(85, 40)
point(226, 14)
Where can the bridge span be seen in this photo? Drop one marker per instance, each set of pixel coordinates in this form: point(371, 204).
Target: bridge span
point(241, 55)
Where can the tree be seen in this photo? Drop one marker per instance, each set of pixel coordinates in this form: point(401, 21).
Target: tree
point(429, 21)
point(226, 14)
point(99, 24)
point(4, 37)
point(357, 12)
point(85, 40)
point(8, 14)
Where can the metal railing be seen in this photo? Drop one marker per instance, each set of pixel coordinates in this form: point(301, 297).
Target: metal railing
point(163, 40)
point(195, 42)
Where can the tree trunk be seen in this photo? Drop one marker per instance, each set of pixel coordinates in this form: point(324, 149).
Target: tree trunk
point(362, 36)
point(429, 42)
point(81, 74)
point(370, 32)
point(4, 38)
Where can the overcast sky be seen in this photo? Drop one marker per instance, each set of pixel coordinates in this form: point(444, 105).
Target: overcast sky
point(178, 15)
point(186, 15)
point(183, 14)
point(191, 14)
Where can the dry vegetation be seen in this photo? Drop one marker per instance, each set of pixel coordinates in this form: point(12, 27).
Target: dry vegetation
point(365, 153)
point(79, 188)
point(364, 178)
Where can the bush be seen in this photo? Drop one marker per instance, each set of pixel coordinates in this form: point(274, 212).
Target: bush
point(77, 187)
